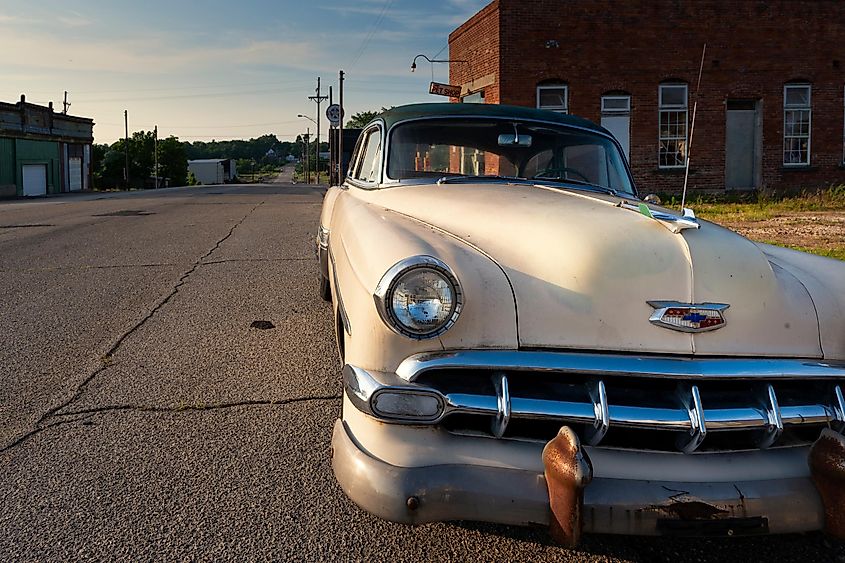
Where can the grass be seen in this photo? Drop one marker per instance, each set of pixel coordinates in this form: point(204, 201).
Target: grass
point(837, 253)
point(760, 215)
point(832, 199)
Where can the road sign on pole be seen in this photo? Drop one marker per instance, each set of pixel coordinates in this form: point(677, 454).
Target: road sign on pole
point(334, 113)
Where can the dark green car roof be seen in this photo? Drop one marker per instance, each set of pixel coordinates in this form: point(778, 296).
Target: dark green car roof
point(496, 111)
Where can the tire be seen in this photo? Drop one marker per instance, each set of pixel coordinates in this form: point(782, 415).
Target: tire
point(325, 290)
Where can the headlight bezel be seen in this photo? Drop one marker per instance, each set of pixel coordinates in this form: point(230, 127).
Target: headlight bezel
point(384, 295)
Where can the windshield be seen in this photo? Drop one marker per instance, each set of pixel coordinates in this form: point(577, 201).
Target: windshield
point(541, 152)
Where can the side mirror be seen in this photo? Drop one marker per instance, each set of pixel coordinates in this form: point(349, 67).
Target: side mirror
point(653, 199)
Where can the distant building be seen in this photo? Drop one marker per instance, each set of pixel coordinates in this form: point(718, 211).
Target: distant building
point(770, 110)
point(213, 170)
point(43, 152)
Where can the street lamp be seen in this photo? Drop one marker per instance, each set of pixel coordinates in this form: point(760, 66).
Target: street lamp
point(307, 149)
point(432, 61)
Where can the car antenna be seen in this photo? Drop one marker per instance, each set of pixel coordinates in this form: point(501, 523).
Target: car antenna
point(692, 128)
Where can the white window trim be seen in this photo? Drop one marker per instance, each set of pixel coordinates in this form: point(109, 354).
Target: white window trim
point(661, 107)
point(666, 106)
point(559, 109)
point(606, 110)
point(808, 108)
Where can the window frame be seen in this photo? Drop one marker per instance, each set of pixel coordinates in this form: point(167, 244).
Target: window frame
point(794, 108)
point(665, 108)
point(357, 159)
point(564, 109)
point(615, 111)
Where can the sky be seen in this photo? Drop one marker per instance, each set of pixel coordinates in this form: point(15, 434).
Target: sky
point(221, 69)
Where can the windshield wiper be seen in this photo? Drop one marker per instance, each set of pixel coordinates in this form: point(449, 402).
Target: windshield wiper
point(471, 178)
point(593, 187)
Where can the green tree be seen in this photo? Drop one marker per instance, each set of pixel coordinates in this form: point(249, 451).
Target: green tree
point(360, 119)
point(172, 161)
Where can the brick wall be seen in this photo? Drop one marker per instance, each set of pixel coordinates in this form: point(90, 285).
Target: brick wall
point(477, 41)
point(753, 48)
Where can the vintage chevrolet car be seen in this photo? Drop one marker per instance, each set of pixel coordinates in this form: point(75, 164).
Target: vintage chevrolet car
point(526, 341)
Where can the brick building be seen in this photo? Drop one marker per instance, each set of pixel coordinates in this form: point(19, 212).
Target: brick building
point(771, 110)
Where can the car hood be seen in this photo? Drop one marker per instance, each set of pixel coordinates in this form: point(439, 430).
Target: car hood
point(584, 269)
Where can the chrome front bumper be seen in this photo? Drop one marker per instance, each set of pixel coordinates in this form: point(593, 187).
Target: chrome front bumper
point(396, 454)
point(415, 495)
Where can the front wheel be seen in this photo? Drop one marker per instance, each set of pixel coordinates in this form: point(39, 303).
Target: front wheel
point(325, 289)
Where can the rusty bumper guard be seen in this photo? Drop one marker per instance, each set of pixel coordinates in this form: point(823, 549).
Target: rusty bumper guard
point(827, 467)
point(568, 471)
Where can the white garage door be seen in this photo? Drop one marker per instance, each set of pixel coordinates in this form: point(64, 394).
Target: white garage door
point(34, 179)
point(74, 169)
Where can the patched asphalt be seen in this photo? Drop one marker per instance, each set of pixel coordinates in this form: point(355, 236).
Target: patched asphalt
point(169, 384)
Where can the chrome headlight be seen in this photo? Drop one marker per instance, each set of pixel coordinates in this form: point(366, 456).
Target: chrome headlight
point(419, 297)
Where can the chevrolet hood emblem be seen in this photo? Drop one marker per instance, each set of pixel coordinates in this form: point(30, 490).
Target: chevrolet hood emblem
point(688, 317)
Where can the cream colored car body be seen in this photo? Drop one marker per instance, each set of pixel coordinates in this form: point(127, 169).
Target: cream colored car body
point(567, 271)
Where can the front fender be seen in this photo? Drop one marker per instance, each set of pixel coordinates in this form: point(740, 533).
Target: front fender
point(366, 240)
point(824, 279)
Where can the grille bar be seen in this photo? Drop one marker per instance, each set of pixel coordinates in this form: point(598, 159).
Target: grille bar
point(692, 417)
point(517, 403)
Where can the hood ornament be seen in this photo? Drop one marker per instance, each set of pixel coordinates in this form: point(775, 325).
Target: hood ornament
point(688, 317)
point(675, 223)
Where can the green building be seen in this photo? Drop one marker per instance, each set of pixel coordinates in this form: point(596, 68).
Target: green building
point(43, 152)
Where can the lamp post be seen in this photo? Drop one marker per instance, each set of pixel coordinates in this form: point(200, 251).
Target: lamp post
point(307, 155)
point(432, 61)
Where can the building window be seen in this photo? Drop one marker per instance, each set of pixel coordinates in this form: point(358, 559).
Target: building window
point(474, 98)
point(797, 116)
point(672, 125)
point(553, 97)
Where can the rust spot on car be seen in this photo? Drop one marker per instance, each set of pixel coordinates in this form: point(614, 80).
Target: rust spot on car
point(568, 470)
point(692, 510)
point(827, 468)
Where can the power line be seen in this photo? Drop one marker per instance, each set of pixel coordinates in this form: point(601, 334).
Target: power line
point(376, 25)
point(182, 96)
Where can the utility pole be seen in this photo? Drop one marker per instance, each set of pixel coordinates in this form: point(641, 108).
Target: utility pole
point(126, 146)
point(155, 153)
point(66, 104)
point(340, 171)
point(318, 98)
point(307, 157)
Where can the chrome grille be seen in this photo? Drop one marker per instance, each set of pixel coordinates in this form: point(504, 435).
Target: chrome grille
point(638, 412)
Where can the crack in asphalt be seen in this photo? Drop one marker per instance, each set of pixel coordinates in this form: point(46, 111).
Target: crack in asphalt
point(201, 407)
point(236, 260)
point(106, 359)
point(85, 414)
point(71, 268)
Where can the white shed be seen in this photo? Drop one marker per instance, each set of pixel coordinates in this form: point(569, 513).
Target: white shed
point(213, 170)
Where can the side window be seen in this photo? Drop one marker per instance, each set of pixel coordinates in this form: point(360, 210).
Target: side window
point(367, 166)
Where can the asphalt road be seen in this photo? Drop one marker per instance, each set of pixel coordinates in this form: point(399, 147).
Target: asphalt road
point(143, 417)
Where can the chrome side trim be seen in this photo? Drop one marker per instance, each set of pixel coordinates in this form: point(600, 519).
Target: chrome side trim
point(344, 317)
point(593, 365)
point(384, 289)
